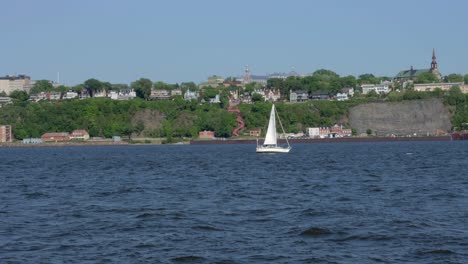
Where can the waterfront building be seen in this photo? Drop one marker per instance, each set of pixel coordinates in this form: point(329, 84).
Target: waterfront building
point(79, 134)
point(206, 134)
point(6, 135)
point(256, 132)
point(56, 136)
point(32, 141)
point(414, 73)
point(313, 132)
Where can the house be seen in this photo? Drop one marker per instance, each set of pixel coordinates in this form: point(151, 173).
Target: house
point(5, 100)
point(100, 93)
point(79, 134)
point(415, 73)
point(123, 94)
point(256, 132)
point(206, 134)
point(313, 132)
point(190, 95)
point(341, 97)
point(5, 134)
point(339, 131)
point(160, 94)
point(382, 88)
point(176, 91)
point(324, 132)
point(272, 95)
point(320, 96)
point(348, 90)
point(215, 100)
point(56, 136)
point(298, 96)
point(70, 95)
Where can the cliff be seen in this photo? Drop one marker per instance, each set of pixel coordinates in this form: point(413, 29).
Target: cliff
point(422, 117)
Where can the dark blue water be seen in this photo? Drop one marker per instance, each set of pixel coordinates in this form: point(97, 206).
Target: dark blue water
point(322, 203)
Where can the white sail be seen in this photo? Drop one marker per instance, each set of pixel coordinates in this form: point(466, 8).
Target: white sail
point(270, 143)
point(270, 138)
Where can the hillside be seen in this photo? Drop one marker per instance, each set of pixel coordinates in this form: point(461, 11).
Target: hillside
point(401, 118)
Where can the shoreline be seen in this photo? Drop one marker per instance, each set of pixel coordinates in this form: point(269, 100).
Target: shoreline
point(233, 141)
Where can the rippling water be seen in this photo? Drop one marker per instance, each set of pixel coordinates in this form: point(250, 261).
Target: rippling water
point(396, 202)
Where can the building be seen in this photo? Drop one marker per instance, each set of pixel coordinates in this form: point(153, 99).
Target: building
point(272, 95)
point(415, 73)
point(79, 134)
point(320, 96)
point(382, 88)
point(6, 135)
point(70, 95)
point(425, 87)
point(213, 81)
point(313, 132)
point(176, 91)
point(56, 136)
point(32, 141)
point(190, 95)
point(256, 132)
point(341, 97)
point(12, 83)
point(160, 94)
point(298, 96)
point(215, 100)
point(206, 134)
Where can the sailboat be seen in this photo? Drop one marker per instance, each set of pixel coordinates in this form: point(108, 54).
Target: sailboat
point(270, 144)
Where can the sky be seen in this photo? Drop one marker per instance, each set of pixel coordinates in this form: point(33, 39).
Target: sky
point(176, 41)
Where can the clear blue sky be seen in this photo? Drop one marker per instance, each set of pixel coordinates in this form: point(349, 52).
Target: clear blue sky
point(174, 41)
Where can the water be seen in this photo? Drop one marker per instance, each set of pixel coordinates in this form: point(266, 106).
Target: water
point(395, 202)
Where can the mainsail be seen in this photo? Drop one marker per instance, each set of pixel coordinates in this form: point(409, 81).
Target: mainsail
point(270, 138)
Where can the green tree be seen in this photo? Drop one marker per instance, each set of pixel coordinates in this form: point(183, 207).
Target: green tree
point(426, 77)
point(92, 86)
point(142, 88)
point(465, 78)
point(367, 78)
point(20, 96)
point(257, 98)
point(369, 131)
point(41, 86)
point(451, 78)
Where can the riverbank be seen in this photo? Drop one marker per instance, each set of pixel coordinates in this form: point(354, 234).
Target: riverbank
point(235, 141)
point(325, 140)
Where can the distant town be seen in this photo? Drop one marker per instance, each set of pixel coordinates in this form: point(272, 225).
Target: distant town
point(291, 88)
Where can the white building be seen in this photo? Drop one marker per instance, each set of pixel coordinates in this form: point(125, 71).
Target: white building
point(189, 95)
point(382, 88)
point(341, 97)
point(313, 132)
point(11, 83)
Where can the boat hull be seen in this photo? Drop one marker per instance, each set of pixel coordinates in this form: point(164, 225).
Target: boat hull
point(272, 150)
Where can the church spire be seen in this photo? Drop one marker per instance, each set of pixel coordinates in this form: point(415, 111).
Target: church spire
point(434, 62)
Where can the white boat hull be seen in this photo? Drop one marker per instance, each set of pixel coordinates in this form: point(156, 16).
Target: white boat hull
point(272, 150)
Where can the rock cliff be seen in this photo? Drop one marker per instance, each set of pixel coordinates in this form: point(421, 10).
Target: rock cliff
point(422, 117)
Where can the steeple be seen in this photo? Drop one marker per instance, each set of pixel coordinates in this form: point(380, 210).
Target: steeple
point(434, 62)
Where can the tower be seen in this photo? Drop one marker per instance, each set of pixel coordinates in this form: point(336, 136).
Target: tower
point(434, 68)
point(247, 75)
point(434, 62)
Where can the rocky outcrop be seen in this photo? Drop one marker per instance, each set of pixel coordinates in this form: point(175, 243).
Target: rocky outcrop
point(421, 117)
